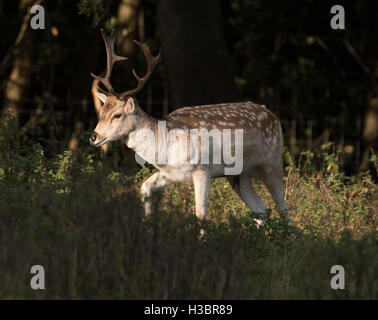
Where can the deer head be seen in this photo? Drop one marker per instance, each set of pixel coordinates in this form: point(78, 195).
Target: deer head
point(120, 113)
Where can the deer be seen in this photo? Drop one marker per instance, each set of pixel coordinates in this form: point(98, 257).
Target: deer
point(121, 117)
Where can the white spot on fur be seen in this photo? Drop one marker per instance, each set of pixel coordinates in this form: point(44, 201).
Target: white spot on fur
point(261, 116)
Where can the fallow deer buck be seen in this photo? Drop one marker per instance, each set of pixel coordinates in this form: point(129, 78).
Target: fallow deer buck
point(261, 140)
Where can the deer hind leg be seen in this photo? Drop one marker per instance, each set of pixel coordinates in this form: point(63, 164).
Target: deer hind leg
point(273, 179)
point(150, 186)
point(243, 187)
point(201, 182)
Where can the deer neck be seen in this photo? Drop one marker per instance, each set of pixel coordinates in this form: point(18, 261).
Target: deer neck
point(145, 121)
point(138, 139)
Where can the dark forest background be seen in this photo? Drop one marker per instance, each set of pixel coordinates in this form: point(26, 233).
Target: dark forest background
point(284, 54)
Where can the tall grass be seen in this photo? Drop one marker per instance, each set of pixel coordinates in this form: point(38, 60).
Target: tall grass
point(82, 220)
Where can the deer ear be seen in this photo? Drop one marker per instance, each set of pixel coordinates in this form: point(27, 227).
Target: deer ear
point(101, 96)
point(130, 105)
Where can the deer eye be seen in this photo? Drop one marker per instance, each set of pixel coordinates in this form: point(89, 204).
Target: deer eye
point(117, 116)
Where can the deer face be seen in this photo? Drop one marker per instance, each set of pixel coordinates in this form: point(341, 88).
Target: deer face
point(117, 118)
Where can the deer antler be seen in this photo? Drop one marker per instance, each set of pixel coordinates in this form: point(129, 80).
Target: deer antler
point(111, 59)
point(151, 64)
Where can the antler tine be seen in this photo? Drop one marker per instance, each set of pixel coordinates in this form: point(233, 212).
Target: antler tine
point(111, 59)
point(151, 64)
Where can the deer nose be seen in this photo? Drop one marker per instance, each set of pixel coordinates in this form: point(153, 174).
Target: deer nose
point(93, 137)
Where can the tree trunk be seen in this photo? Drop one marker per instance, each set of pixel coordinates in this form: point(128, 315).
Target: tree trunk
point(198, 67)
point(128, 16)
point(370, 122)
point(17, 86)
point(1, 7)
point(370, 129)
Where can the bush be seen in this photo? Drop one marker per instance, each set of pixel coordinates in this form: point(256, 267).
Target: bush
point(84, 223)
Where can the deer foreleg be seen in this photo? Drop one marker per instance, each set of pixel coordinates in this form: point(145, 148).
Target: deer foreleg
point(150, 186)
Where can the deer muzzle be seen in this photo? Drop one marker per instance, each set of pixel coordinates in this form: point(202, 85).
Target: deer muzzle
point(93, 138)
point(96, 140)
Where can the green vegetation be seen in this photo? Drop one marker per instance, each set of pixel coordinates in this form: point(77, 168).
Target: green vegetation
point(82, 220)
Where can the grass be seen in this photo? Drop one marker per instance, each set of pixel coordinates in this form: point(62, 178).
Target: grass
point(82, 220)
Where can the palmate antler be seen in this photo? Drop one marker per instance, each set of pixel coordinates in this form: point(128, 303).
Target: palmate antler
point(112, 58)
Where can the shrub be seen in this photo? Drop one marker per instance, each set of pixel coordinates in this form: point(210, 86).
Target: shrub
point(82, 220)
